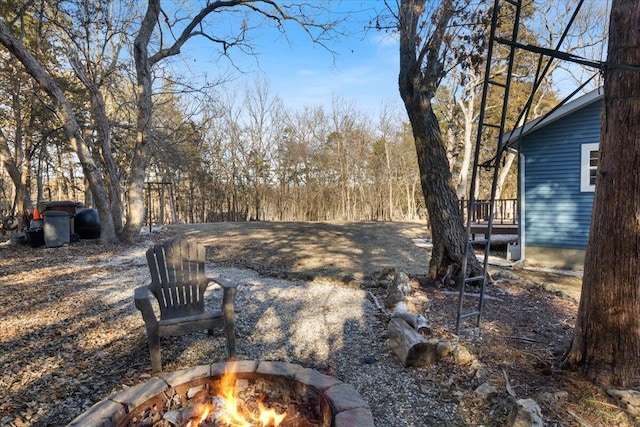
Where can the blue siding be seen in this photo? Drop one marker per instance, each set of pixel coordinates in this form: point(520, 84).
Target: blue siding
point(557, 213)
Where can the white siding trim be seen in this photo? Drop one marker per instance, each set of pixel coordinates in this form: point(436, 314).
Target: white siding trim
point(523, 209)
point(585, 185)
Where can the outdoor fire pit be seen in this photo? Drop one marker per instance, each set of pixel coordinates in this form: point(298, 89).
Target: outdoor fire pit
point(238, 394)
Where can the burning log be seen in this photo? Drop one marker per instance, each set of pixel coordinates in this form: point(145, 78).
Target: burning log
point(189, 415)
point(237, 402)
point(410, 346)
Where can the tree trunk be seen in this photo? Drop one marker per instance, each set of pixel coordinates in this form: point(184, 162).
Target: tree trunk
point(468, 107)
point(447, 226)
point(420, 73)
point(135, 195)
point(103, 134)
point(606, 339)
point(9, 162)
point(504, 173)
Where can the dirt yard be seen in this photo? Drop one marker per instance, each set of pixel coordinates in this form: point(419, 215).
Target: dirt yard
point(70, 334)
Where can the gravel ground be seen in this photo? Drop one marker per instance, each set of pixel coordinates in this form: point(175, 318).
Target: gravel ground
point(337, 330)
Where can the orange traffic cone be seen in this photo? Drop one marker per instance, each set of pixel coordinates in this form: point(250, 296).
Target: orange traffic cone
point(36, 214)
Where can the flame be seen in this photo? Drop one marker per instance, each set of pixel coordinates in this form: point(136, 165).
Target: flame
point(269, 416)
point(232, 415)
point(204, 414)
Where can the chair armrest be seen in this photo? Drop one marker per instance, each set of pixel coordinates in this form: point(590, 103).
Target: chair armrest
point(142, 296)
point(230, 289)
point(225, 283)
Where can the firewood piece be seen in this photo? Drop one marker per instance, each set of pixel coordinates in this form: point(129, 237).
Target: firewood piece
point(376, 301)
point(399, 290)
point(416, 321)
point(411, 348)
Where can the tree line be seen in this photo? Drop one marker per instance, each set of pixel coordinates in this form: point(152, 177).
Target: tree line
point(252, 158)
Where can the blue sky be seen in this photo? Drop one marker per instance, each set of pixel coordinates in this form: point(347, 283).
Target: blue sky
point(364, 69)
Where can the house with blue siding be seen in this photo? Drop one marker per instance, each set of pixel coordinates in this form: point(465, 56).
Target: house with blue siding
point(558, 162)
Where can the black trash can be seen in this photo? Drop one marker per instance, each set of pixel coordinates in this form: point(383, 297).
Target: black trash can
point(35, 237)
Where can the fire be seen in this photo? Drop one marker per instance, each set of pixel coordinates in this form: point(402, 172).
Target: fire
point(227, 410)
point(203, 415)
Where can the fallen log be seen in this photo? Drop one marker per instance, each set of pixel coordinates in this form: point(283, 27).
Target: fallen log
point(416, 321)
point(411, 347)
point(399, 290)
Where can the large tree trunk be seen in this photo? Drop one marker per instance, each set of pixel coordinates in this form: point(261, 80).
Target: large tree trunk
point(606, 339)
point(447, 228)
point(135, 196)
point(10, 162)
point(420, 74)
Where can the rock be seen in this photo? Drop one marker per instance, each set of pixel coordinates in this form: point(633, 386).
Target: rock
point(551, 398)
point(505, 275)
point(444, 348)
point(630, 400)
point(525, 413)
point(462, 355)
point(484, 390)
point(482, 373)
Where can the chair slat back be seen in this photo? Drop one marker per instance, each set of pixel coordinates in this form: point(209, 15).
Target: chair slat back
point(178, 277)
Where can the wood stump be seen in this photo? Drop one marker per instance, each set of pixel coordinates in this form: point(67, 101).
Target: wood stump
point(410, 346)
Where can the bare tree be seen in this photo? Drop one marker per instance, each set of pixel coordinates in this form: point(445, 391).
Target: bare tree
point(261, 123)
point(424, 41)
point(93, 50)
point(198, 25)
point(21, 126)
point(606, 339)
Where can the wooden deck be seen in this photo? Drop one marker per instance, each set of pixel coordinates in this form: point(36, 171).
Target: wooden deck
point(503, 229)
point(505, 214)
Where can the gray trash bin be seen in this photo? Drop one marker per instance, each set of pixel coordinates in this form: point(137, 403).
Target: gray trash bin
point(57, 229)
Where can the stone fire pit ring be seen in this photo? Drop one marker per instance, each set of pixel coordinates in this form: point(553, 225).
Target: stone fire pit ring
point(348, 409)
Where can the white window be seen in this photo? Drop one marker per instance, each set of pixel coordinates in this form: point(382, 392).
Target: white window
point(588, 167)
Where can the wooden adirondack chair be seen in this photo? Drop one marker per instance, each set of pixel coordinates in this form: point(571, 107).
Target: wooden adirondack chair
point(178, 283)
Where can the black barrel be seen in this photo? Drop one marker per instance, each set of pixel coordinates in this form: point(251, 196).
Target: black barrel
point(87, 224)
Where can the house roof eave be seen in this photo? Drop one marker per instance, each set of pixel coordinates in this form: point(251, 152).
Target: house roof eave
point(512, 137)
